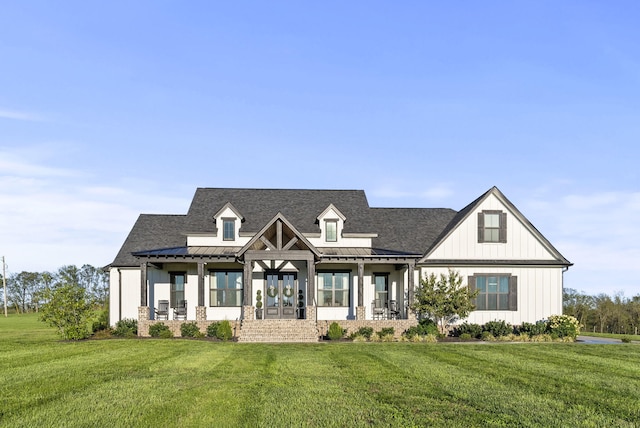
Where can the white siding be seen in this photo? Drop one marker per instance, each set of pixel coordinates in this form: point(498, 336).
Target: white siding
point(539, 292)
point(125, 305)
point(462, 243)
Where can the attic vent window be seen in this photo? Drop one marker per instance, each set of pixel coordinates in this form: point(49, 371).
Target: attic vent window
point(492, 226)
point(228, 229)
point(331, 230)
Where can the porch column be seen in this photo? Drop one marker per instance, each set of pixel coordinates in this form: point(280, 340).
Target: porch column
point(360, 310)
point(201, 310)
point(143, 283)
point(311, 281)
point(247, 307)
point(410, 279)
point(200, 284)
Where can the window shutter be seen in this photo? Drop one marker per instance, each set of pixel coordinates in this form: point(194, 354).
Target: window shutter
point(471, 283)
point(480, 227)
point(503, 228)
point(513, 293)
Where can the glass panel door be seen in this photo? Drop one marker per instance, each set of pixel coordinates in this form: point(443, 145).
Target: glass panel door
point(280, 296)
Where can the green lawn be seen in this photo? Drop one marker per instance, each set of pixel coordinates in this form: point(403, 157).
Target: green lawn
point(176, 382)
point(611, 335)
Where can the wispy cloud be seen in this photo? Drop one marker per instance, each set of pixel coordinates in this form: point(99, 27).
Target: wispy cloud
point(20, 115)
point(50, 218)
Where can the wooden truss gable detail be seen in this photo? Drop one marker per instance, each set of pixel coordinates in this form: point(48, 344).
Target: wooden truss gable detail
point(279, 235)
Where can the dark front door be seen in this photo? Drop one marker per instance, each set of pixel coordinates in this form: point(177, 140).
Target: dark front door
point(281, 293)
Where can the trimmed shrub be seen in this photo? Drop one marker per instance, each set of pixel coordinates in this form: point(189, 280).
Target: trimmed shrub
point(473, 330)
point(224, 331)
point(539, 327)
point(465, 336)
point(212, 329)
point(366, 332)
point(498, 328)
point(564, 326)
point(160, 330)
point(126, 327)
point(335, 331)
point(190, 329)
point(626, 339)
point(386, 331)
point(487, 336)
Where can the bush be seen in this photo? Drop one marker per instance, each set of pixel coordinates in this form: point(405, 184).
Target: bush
point(386, 331)
point(564, 326)
point(212, 329)
point(536, 329)
point(473, 330)
point(465, 336)
point(487, 336)
point(425, 327)
point(335, 331)
point(366, 332)
point(160, 330)
point(190, 329)
point(102, 321)
point(498, 328)
point(626, 339)
point(224, 331)
point(126, 327)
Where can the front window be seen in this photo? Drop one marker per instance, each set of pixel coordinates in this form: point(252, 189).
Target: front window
point(493, 293)
point(178, 280)
point(331, 230)
point(333, 289)
point(225, 288)
point(228, 229)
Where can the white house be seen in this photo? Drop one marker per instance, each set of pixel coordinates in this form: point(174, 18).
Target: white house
point(317, 256)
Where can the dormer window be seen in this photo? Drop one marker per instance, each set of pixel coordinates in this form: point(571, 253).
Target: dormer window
point(492, 226)
point(229, 229)
point(331, 230)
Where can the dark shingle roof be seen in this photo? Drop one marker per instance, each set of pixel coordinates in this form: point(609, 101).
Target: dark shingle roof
point(399, 230)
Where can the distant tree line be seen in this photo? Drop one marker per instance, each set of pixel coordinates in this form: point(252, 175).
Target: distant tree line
point(603, 313)
point(26, 291)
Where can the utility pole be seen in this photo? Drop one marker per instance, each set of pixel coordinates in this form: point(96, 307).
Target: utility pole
point(4, 284)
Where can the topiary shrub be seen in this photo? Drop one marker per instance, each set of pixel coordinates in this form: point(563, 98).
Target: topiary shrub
point(212, 329)
point(335, 331)
point(224, 331)
point(473, 330)
point(564, 326)
point(190, 329)
point(126, 327)
point(498, 328)
point(160, 330)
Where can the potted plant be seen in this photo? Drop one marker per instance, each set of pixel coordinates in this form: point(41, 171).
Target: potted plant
point(300, 305)
point(259, 304)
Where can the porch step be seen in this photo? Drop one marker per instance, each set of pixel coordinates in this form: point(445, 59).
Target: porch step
point(278, 331)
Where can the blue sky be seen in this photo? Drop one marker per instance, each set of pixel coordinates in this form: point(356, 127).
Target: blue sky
point(111, 109)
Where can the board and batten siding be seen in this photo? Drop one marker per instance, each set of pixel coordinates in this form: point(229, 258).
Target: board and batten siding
point(463, 244)
point(539, 292)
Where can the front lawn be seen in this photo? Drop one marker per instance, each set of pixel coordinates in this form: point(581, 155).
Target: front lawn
point(178, 382)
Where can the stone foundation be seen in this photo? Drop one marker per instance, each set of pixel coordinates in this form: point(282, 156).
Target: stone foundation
point(360, 313)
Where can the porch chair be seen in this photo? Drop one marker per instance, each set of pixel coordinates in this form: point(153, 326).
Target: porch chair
point(377, 309)
point(393, 309)
point(162, 311)
point(180, 311)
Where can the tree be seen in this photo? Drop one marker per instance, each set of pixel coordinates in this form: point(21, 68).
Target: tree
point(21, 288)
point(69, 309)
point(443, 299)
